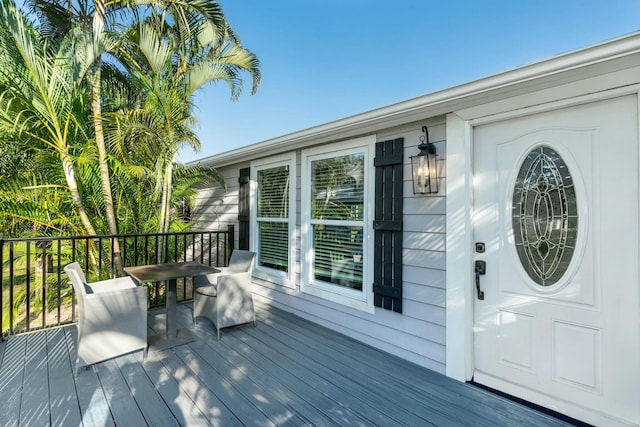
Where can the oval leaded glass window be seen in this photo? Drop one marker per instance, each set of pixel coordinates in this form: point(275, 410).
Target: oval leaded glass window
point(544, 216)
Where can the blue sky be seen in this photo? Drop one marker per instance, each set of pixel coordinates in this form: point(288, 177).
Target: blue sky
point(325, 60)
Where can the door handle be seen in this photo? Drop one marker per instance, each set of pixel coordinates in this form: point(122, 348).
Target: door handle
point(481, 269)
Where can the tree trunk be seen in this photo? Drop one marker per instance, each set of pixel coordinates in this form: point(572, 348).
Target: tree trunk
point(165, 208)
point(96, 113)
point(75, 194)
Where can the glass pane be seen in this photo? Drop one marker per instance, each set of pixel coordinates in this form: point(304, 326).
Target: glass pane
point(338, 255)
point(337, 188)
point(273, 247)
point(544, 216)
point(273, 192)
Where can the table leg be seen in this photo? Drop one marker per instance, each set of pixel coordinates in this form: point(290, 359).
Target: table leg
point(173, 336)
point(171, 303)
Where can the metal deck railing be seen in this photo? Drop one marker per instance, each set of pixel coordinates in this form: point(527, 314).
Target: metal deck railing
point(37, 294)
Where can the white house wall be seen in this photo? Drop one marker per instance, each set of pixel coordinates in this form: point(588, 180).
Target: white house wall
point(216, 208)
point(418, 334)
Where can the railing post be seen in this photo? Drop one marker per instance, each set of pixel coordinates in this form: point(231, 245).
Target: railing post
point(231, 240)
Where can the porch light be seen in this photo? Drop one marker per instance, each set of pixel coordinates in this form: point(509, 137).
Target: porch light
point(423, 167)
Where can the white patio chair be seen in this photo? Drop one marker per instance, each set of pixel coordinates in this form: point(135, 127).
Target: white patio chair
point(241, 261)
point(225, 298)
point(112, 317)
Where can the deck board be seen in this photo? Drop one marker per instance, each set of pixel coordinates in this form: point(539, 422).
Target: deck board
point(64, 408)
point(123, 408)
point(3, 345)
point(34, 407)
point(181, 405)
point(93, 404)
point(179, 391)
point(11, 380)
point(150, 403)
point(285, 372)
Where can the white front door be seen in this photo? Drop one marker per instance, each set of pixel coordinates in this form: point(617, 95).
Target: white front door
point(556, 207)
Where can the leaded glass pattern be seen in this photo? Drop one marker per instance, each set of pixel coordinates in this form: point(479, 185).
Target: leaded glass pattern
point(544, 216)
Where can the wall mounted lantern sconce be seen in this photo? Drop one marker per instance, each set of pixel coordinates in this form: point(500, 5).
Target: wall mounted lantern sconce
point(423, 167)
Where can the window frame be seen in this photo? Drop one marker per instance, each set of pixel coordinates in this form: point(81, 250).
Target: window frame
point(361, 300)
point(284, 278)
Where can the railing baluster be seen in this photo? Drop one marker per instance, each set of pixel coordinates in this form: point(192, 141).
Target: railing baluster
point(11, 271)
point(99, 259)
point(112, 270)
point(218, 251)
point(157, 259)
point(166, 248)
point(73, 295)
point(210, 249)
point(134, 261)
point(124, 252)
point(146, 249)
point(86, 255)
point(28, 279)
point(44, 283)
point(58, 280)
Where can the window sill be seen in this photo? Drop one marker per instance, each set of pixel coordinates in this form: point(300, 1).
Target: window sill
point(273, 276)
point(346, 297)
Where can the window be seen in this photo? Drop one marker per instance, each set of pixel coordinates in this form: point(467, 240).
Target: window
point(273, 205)
point(336, 213)
point(545, 216)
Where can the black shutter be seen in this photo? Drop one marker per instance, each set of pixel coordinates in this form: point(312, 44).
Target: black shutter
point(387, 226)
point(243, 209)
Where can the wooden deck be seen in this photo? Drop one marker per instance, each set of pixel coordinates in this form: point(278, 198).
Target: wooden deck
point(285, 372)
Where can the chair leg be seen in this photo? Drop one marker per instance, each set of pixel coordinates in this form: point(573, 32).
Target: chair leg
point(145, 353)
point(218, 329)
point(77, 369)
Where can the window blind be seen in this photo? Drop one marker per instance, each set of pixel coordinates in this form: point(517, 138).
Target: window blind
point(273, 218)
point(337, 212)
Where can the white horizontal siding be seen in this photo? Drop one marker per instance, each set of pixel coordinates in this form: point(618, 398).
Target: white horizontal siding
point(216, 208)
point(420, 258)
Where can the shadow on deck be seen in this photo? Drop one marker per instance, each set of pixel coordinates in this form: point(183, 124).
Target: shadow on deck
point(285, 372)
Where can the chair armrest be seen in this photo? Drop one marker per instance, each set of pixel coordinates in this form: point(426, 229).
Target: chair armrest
point(118, 300)
point(210, 279)
point(119, 283)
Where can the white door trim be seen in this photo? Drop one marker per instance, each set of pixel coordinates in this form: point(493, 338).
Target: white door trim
point(459, 202)
point(459, 238)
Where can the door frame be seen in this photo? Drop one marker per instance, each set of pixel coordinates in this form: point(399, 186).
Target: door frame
point(460, 291)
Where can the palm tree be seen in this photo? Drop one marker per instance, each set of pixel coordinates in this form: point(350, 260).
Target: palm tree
point(171, 65)
point(96, 18)
point(41, 97)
